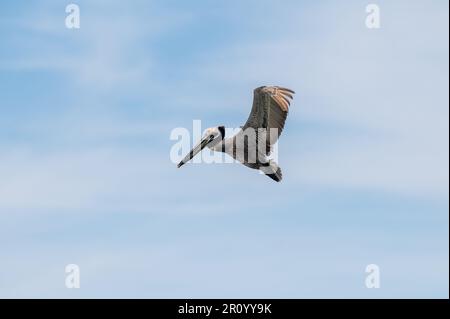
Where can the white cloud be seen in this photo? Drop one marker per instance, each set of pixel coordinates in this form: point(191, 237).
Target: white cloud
point(371, 113)
point(104, 54)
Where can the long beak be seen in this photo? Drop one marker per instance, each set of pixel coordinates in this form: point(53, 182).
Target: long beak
point(195, 150)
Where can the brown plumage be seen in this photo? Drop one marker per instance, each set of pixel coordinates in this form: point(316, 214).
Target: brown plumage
point(269, 111)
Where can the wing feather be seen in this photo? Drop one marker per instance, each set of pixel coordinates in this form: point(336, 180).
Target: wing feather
point(269, 111)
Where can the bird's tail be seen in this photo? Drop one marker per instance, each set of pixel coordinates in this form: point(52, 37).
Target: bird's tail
point(273, 171)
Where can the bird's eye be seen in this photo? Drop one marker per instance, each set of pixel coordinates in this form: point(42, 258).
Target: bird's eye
point(212, 136)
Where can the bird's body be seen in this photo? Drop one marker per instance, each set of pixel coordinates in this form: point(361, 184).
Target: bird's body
point(253, 144)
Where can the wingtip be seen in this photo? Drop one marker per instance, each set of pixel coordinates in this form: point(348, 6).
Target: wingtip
point(286, 89)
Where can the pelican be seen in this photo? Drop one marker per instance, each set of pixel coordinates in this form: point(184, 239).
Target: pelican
point(253, 143)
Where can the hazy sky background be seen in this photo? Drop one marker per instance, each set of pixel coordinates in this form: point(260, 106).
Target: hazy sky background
point(86, 178)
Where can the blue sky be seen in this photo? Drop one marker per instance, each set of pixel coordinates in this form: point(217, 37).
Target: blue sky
point(86, 178)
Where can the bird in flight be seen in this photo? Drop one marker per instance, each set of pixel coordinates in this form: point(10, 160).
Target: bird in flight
point(253, 143)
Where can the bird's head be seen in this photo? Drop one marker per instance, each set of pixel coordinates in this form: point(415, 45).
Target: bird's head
point(215, 134)
point(211, 137)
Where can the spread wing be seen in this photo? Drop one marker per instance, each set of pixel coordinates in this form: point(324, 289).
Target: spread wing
point(269, 111)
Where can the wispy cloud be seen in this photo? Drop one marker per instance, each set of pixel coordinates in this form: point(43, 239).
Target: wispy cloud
point(86, 175)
